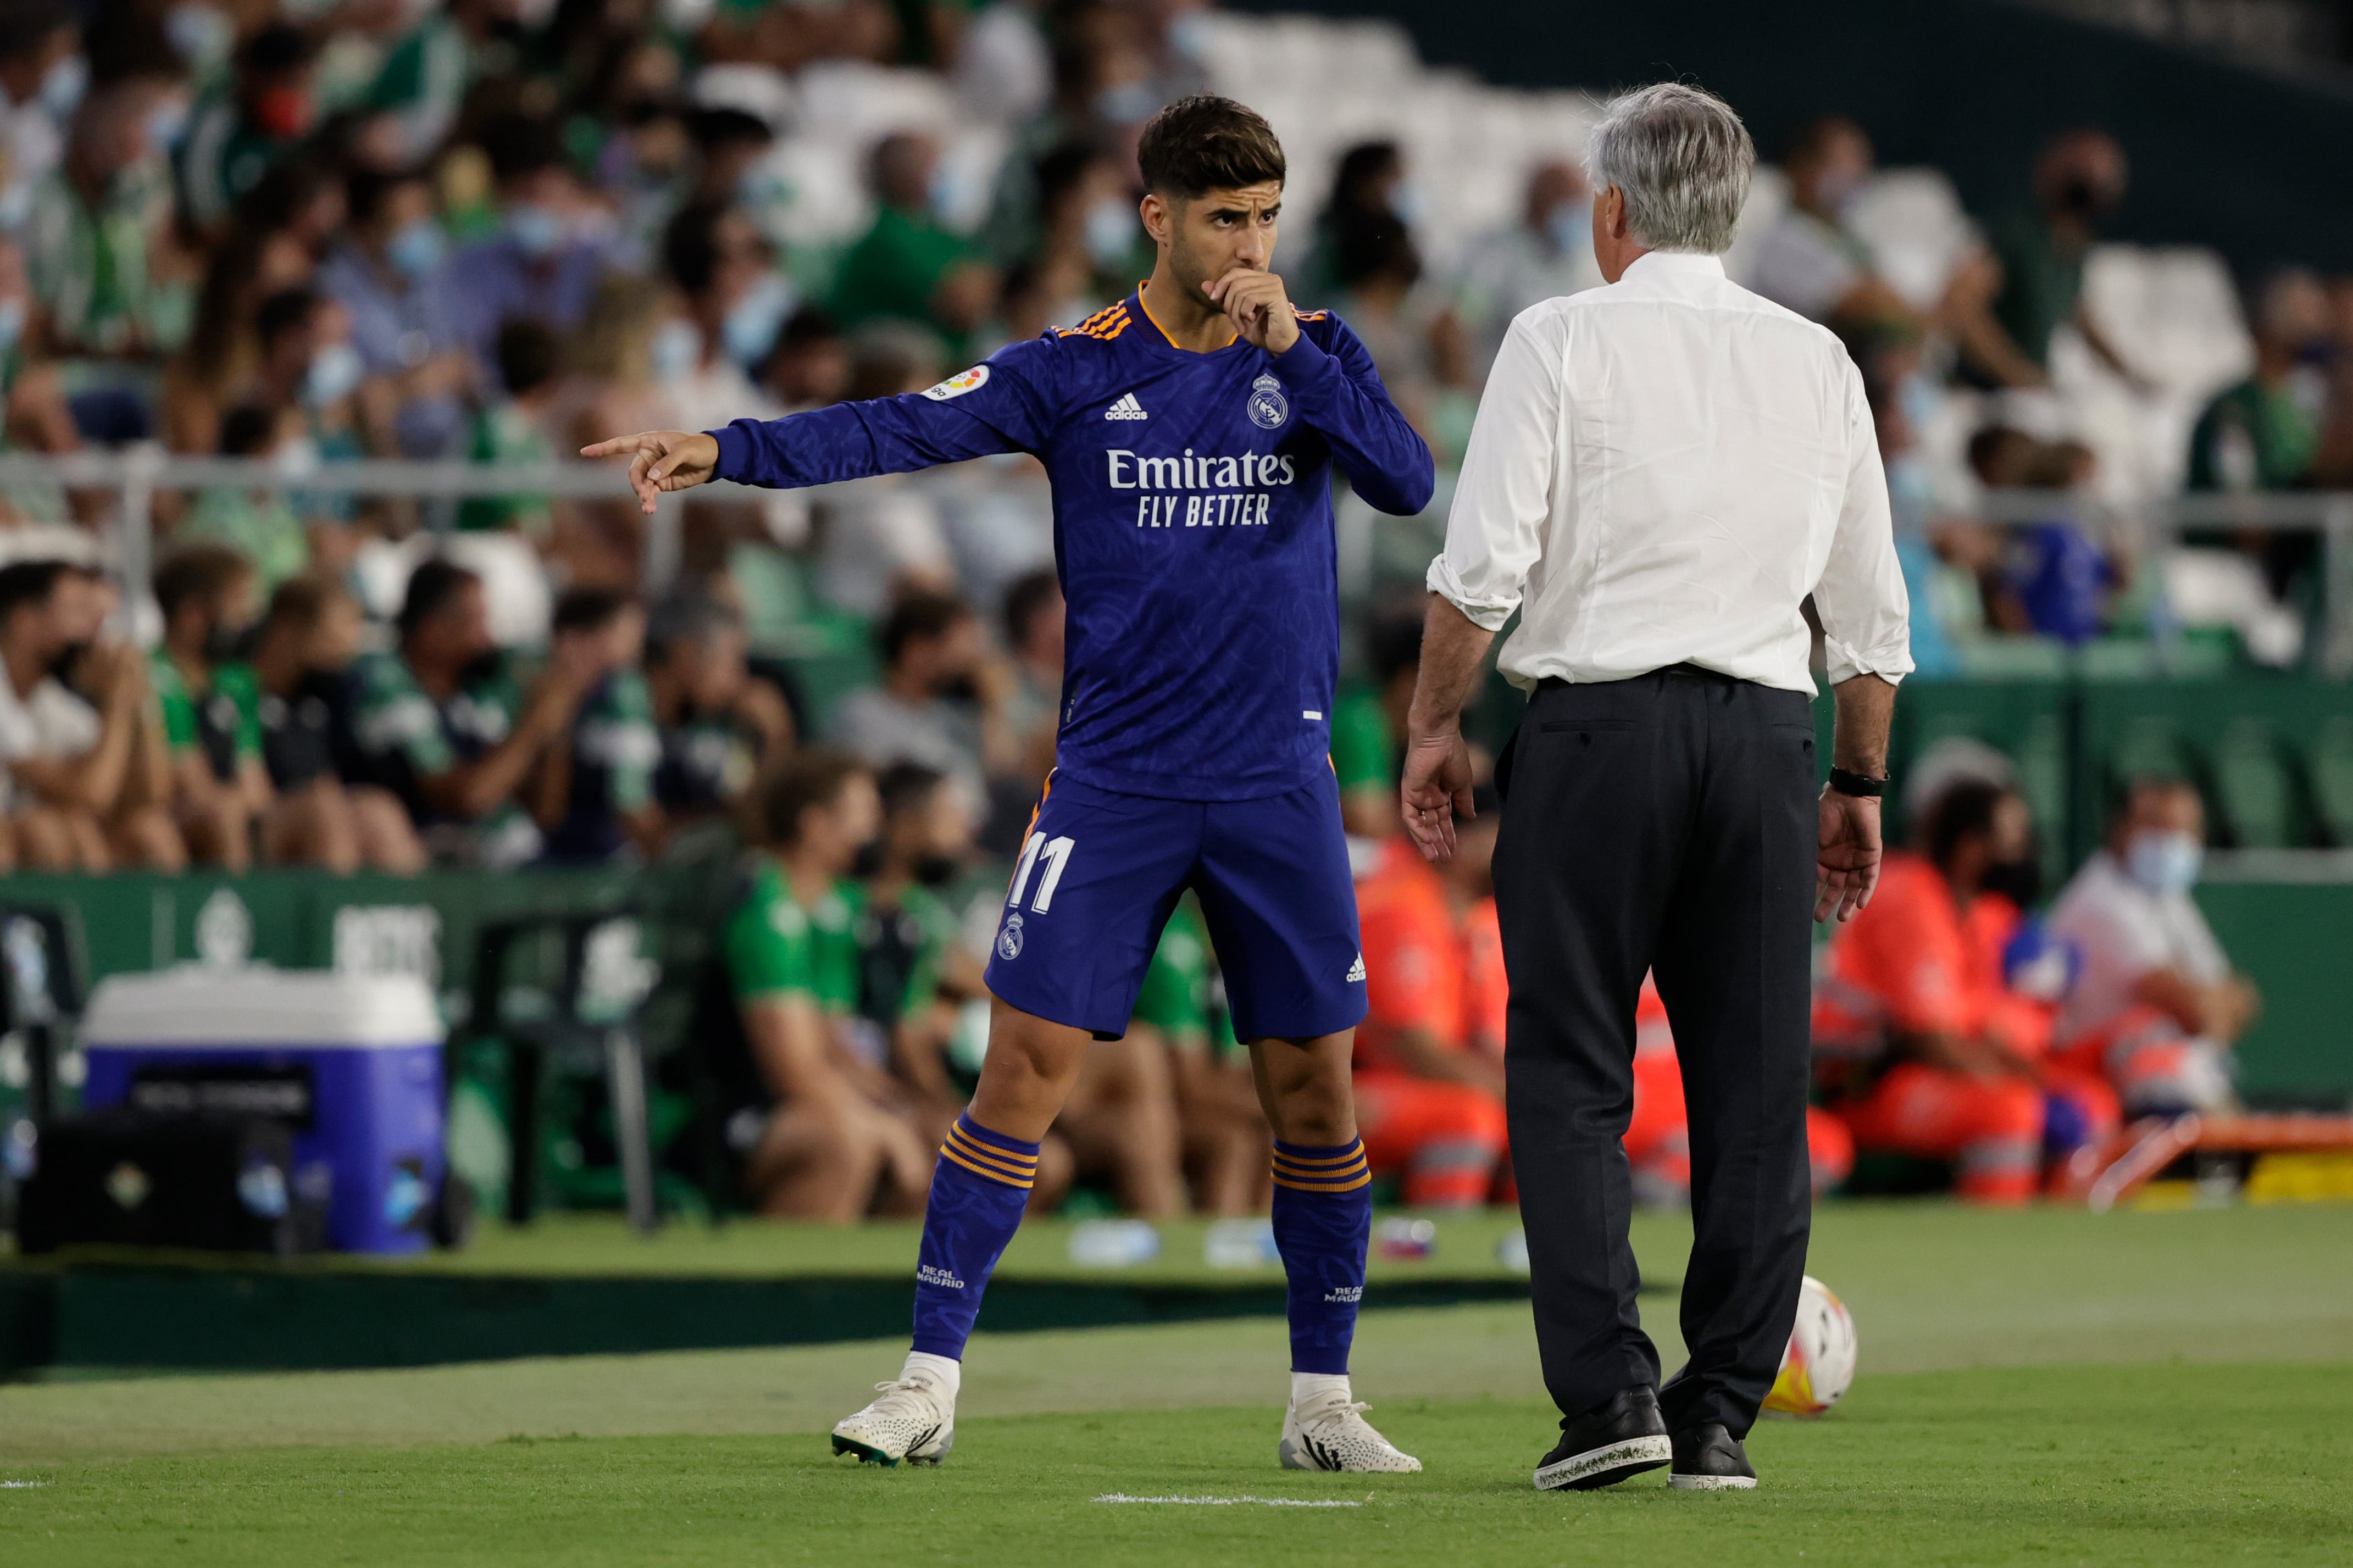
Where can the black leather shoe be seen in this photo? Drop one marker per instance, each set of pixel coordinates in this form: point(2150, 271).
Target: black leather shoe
point(1607, 1444)
point(1710, 1459)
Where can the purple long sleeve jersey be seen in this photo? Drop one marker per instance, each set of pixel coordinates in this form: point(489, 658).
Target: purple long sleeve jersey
point(1193, 528)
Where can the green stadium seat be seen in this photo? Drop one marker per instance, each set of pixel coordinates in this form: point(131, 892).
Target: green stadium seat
point(2330, 762)
point(2255, 786)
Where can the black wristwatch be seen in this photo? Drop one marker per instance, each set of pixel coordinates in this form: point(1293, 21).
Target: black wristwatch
point(1860, 785)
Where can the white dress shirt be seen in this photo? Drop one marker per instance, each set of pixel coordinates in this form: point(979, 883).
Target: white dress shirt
point(1661, 471)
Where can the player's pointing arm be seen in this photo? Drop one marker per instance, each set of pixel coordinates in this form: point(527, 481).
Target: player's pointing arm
point(661, 460)
point(999, 406)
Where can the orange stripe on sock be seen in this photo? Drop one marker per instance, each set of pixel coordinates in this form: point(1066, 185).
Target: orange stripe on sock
point(948, 1151)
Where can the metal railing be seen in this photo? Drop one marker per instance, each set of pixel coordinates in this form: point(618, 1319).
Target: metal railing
point(135, 476)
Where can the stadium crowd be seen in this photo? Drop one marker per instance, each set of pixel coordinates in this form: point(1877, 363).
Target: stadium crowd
point(496, 229)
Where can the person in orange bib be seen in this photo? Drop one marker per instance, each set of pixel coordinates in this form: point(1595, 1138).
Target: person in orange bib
point(1924, 1049)
point(1429, 1082)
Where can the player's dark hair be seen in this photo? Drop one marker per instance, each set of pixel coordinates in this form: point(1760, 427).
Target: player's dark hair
point(589, 609)
point(1966, 810)
point(195, 573)
point(814, 777)
point(907, 787)
point(26, 583)
point(528, 355)
point(919, 616)
point(433, 587)
point(1205, 143)
point(1028, 596)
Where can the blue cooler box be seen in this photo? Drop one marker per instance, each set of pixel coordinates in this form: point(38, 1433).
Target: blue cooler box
point(352, 1063)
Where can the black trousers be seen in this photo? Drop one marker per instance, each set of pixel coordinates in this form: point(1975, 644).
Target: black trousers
point(1665, 823)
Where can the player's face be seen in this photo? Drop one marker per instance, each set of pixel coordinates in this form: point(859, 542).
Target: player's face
point(1208, 235)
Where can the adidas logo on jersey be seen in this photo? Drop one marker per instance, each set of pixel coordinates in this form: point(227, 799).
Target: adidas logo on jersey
point(1356, 970)
point(1128, 407)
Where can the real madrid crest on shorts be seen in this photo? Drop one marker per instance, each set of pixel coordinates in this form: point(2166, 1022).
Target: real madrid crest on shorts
point(1267, 405)
point(1009, 941)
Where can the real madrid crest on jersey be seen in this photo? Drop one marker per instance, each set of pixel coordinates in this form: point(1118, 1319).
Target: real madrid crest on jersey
point(1009, 941)
point(1267, 405)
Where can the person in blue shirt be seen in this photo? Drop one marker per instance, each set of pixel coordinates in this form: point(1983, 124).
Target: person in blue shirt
point(1191, 432)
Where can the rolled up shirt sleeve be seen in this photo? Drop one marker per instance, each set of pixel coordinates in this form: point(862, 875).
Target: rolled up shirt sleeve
point(1866, 612)
point(1495, 529)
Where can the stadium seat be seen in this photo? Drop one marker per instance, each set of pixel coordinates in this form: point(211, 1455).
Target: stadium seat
point(2330, 762)
point(1913, 222)
point(2255, 784)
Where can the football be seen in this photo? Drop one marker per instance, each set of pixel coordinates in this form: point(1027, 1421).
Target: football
point(1818, 1366)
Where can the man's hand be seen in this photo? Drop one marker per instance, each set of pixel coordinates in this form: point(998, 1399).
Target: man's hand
point(1258, 307)
point(1437, 784)
point(661, 460)
point(1847, 869)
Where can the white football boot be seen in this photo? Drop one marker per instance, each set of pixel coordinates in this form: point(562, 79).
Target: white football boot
point(1327, 1430)
point(912, 1419)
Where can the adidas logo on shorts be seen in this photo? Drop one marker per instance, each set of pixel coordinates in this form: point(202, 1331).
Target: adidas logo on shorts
point(1128, 407)
point(1356, 970)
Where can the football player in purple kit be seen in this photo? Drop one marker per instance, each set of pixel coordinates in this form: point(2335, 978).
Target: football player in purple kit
point(1190, 431)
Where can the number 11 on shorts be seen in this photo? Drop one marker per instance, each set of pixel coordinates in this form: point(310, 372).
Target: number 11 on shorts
point(1056, 852)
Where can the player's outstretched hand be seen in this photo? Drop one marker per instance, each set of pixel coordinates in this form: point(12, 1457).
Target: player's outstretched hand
point(1437, 784)
point(1258, 307)
point(1847, 869)
point(661, 460)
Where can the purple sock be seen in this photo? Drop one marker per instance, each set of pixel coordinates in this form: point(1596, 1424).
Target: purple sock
point(978, 1190)
point(1323, 1223)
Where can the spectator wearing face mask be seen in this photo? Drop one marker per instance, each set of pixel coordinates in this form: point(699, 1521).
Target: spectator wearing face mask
point(220, 786)
point(1809, 259)
point(809, 367)
point(2002, 316)
point(736, 303)
point(439, 722)
point(101, 248)
point(912, 969)
point(722, 728)
point(1919, 1042)
point(37, 418)
point(2265, 434)
point(85, 776)
point(259, 524)
point(2157, 1004)
point(1090, 235)
point(550, 250)
point(594, 796)
point(244, 127)
point(908, 267)
point(512, 428)
point(1548, 252)
point(298, 678)
point(386, 277)
point(942, 699)
point(43, 76)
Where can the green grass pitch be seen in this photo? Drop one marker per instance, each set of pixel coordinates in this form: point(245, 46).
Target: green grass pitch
point(2044, 1388)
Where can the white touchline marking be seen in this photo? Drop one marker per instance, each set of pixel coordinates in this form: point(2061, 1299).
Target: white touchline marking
point(1229, 1502)
point(12, 1486)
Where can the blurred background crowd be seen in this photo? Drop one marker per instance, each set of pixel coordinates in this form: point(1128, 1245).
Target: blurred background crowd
point(306, 232)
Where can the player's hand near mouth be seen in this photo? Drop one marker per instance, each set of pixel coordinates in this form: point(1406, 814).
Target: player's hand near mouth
point(1255, 302)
